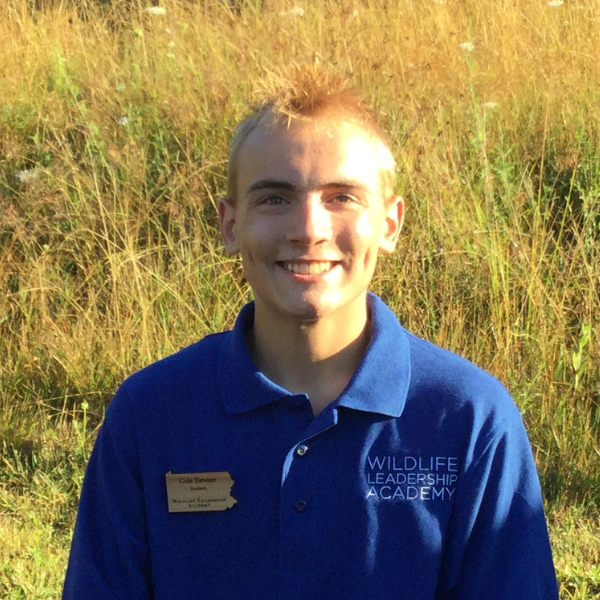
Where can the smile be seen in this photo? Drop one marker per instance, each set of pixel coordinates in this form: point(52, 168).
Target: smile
point(307, 268)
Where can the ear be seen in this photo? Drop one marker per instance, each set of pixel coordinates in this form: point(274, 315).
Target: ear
point(227, 226)
point(393, 224)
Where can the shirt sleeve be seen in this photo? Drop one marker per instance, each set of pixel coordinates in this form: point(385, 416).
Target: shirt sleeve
point(498, 546)
point(110, 557)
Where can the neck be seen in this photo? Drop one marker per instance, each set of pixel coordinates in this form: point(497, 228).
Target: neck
point(317, 358)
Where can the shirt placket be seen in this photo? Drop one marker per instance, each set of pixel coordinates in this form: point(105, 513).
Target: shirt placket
point(300, 515)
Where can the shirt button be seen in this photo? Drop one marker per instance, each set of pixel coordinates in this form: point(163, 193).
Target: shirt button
point(301, 450)
point(300, 506)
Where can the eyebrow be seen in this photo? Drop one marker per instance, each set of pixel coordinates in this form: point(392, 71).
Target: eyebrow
point(271, 184)
point(276, 184)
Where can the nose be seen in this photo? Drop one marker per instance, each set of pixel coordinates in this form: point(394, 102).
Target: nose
point(311, 221)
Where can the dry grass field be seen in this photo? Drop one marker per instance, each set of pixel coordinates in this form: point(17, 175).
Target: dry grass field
point(115, 118)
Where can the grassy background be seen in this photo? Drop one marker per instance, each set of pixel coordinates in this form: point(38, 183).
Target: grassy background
point(114, 125)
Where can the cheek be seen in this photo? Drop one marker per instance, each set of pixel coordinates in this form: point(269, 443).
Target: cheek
point(368, 232)
point(364, 228)
point(256, 241)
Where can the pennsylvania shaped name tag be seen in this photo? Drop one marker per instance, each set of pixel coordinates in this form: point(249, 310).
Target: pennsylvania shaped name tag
point(199, 492)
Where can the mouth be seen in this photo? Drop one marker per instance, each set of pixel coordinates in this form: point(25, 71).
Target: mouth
point(307, 267)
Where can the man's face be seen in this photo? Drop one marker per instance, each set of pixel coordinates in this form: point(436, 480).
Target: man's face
point(310, 217)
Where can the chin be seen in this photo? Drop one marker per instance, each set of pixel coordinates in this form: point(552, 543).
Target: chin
point(298, 310)
point(311, 312)
point(307, 313)
point(311, 307)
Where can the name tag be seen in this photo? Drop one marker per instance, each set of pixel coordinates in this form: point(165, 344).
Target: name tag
point(199, 492)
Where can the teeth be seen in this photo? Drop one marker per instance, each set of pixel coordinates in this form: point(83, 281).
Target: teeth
point(312, 268)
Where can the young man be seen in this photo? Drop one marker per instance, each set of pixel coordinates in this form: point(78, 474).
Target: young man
point(318, 450)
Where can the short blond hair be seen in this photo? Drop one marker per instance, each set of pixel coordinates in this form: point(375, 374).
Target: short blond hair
point(304, 92)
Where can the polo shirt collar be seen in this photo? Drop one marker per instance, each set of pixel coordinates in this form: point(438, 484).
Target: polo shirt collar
point(379, 385)
point(243, 387)
point(381, 381)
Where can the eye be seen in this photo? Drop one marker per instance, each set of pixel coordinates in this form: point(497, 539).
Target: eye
point(344, 198)
point(273, 200)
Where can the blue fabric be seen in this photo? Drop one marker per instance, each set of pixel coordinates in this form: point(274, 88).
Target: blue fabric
point(418, 483)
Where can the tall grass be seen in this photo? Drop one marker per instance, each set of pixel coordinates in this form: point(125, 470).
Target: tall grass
point(114, 126)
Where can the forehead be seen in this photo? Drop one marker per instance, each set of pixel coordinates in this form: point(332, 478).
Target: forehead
point(313, 153)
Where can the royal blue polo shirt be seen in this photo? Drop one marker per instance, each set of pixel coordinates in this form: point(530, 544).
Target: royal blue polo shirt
point(417, 483)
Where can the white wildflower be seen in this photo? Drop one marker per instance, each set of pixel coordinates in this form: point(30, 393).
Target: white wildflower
point(27, 176)
point(123, 121)
point(467, 46)
point(296, 11)
point(555, 3)
point(490, 105)
point(156, 10)
point(120, 87)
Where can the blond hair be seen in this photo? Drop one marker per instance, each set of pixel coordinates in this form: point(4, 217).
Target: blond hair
point(304, 92)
